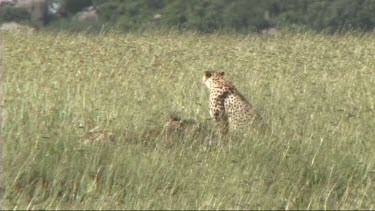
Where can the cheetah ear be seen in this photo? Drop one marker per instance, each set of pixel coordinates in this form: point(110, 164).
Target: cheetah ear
point(221, 73)
point(207, 74)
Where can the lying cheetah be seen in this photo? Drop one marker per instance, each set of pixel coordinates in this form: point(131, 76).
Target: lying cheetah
point(227, 105)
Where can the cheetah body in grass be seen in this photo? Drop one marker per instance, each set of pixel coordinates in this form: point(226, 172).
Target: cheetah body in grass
point(227, 106)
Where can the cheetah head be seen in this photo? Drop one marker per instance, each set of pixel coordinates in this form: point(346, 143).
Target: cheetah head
point(210, 76)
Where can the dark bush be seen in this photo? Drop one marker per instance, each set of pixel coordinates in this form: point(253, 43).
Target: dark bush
point(11, 13)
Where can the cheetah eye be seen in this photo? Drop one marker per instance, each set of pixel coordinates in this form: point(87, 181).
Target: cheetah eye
point(207, 74)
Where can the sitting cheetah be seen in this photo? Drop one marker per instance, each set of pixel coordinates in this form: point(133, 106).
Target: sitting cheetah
point(227, 105)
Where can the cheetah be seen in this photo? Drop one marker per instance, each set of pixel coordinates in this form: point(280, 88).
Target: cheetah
point(228, 107)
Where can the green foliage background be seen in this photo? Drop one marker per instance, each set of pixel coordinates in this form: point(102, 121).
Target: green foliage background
point(213, 15)
point(9, 13)
point(242, 15)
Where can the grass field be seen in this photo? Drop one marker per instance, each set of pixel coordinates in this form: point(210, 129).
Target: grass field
point(87, 121)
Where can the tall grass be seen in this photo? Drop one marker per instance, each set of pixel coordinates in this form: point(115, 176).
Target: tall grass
point(90, 121)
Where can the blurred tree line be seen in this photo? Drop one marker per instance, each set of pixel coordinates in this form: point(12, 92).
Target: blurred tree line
point(238, 15)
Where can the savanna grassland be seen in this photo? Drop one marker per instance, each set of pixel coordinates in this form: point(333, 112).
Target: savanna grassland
point(91, 121)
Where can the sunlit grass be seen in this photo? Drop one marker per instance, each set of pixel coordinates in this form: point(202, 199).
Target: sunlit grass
point(87, 121)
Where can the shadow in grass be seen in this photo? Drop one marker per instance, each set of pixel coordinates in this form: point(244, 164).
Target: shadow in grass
point(175, 130)
point(169, 131)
